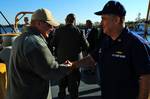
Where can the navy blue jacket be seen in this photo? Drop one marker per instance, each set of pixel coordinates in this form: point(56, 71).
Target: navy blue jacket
point(122, 62)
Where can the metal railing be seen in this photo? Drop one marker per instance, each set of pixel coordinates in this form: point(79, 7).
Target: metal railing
point(7, 23)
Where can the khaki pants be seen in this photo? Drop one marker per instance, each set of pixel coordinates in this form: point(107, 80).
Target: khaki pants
point(3, 81)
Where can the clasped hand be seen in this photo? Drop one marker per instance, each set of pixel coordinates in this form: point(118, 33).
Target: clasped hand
point(70, 64)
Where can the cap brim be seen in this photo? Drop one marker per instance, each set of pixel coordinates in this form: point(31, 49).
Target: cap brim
point(98, 13)
point(53, 23)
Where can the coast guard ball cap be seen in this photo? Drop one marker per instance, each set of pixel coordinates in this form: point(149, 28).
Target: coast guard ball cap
point(112, 7)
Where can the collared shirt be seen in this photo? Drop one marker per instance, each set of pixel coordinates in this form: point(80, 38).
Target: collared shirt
point(31, 67)
point(122, 62)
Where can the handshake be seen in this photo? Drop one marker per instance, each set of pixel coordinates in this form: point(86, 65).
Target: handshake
point(87, 61)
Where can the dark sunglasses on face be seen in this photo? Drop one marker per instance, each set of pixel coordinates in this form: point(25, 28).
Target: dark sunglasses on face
point(48, 25)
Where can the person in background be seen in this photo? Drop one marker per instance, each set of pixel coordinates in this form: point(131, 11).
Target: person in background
point(69, 42)
point(91, 34)
point(26, 24)
point(26, 21)
point(124, 57)
point(32, 64)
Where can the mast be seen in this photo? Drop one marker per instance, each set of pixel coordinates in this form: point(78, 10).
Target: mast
point(146, 22)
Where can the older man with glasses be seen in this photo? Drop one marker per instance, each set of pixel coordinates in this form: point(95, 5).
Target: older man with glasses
point(31, 63)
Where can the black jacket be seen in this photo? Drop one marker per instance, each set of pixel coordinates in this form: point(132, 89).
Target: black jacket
point(69, 42)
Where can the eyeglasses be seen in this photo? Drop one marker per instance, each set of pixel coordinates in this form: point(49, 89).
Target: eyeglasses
point(48, 25)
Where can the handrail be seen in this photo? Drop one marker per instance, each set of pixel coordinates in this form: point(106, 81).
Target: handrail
point(10, 34)
point(7, 21)
point(17, 19)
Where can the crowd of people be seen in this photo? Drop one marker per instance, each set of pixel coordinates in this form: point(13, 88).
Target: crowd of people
point(44, 51)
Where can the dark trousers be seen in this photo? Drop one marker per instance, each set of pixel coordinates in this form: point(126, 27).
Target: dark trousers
point(71, 81)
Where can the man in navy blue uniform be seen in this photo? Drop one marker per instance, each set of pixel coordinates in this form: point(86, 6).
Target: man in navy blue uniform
point(123, 57)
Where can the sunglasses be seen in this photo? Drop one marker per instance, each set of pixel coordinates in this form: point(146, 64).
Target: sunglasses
point(48, 25)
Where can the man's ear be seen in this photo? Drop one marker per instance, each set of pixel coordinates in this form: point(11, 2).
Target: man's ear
point(117, 19)
point(38, 24)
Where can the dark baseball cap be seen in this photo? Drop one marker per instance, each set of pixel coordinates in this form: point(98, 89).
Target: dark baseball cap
point(113, 7)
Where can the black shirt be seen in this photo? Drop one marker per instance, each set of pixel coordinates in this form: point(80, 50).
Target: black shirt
point(122, 61)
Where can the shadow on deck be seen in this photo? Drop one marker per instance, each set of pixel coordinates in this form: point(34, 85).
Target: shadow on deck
point(89, 88)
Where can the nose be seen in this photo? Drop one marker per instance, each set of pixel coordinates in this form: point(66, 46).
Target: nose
point(51, 29)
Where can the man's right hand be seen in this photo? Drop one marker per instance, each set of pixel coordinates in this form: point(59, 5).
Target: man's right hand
point(71, 65)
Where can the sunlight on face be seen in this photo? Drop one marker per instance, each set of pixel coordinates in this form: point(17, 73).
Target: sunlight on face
point(48, 27)
point(107, 23)
point(45, 28)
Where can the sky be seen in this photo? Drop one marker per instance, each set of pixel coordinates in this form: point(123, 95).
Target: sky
point(83, 9)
